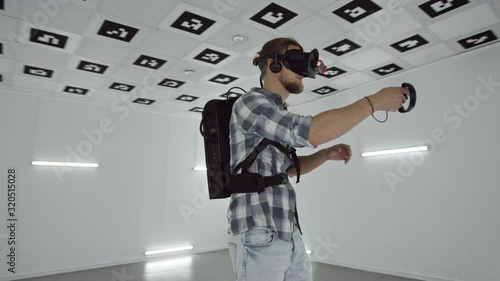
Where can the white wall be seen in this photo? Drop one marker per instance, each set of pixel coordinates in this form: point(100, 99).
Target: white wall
point(145, 195)
point(432, 215)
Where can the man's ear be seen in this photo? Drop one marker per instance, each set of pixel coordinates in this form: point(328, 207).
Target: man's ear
point(268, 63)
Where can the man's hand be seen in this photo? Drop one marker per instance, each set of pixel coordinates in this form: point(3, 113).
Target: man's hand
point(339, 152)
point(389, 99)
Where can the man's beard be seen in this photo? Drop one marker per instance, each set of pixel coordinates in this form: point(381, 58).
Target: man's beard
point(291, 86)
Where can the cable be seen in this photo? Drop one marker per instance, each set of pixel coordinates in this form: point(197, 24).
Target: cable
point(373, 111)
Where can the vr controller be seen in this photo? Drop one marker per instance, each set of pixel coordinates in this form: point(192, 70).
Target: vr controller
point(412, 98)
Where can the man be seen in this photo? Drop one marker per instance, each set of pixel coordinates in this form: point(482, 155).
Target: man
point(265, 241)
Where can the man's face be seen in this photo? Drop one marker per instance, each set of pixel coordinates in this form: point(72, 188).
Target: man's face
point(290, 80)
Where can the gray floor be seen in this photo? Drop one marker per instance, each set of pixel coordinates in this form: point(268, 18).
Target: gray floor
point(213, 266)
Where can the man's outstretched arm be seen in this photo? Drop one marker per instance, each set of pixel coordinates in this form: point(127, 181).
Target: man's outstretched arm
point(313, 161)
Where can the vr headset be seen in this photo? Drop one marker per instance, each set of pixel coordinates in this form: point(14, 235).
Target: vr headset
point(298, 61)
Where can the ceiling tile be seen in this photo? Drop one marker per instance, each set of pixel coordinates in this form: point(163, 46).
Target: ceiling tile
point(411, 42)
point(162, 93)
point(177, 71)
point(225, 8)
point(367, 59)
point(316, 5)
point(83, 79)
point(328, 13)
point(150, 61)
point(175, 105)
point(192, 21)
point(92, 66)
point(206, 88)
point(92, 4)
point(109, 95)
point(37, 84)
point(389, 26)
point(242, 66)
point(70, 91)
point(353, 80)
point(462, 23)
point(169, 43)
point(8, 28)
point(6, 81)
point(10, 8)
point(116, 30)
point(131, 75)
point(477, 38)
point(104, 51)
point(274, 17)
point(61, 15)
point(428, 55)
point(44, 57)
point(31, 90)
point(210, 55)
point(311, 31)
point(149, 12)
point(6, 65)
point(36, 71)
point(223, 37)
point(8, 49)
point(48, 38)
point(386, 69)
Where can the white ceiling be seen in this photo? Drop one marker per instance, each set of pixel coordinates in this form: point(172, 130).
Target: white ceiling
point(81, 49)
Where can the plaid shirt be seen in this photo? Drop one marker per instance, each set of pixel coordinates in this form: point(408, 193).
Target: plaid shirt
point(256, 115)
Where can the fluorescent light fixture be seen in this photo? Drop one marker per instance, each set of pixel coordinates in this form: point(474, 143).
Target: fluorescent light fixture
point(395, 151)
point(164, 251)
point(64, 164)
point(199, 168)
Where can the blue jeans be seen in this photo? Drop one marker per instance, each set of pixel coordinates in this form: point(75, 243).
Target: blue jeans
point(259, 255)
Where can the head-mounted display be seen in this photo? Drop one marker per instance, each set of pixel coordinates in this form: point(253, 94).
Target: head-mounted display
point(298, 61)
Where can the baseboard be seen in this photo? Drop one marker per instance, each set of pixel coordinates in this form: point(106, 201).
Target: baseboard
point(109, 264)
point(387, 271)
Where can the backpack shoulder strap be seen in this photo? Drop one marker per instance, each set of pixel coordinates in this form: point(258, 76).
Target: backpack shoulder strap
point(245, 164)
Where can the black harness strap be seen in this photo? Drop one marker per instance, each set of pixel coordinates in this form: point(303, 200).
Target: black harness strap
point(245, 164)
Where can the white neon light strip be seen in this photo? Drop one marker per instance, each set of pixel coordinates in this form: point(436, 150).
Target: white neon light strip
point(200, 168)
point(395, 151)
point(64, 164)
point(164, 251)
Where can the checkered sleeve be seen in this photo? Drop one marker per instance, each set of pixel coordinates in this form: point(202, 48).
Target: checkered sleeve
point(256, 114)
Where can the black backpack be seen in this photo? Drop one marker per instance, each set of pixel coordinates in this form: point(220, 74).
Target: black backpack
point(222, 182)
